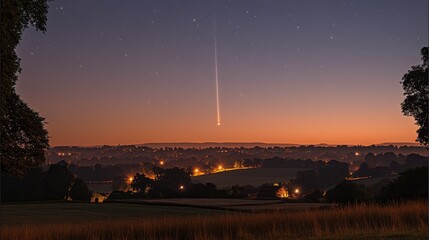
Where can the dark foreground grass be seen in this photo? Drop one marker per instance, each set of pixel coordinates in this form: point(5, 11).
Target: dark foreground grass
point(395, 221)
point(66, 212)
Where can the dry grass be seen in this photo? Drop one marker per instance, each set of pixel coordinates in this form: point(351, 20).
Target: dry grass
point(400, 221)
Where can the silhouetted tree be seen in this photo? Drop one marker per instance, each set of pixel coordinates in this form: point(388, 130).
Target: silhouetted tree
point(416, 92)
point(58, 181)
point(346, 192)
point(363, 170)
point(411, 184)
point(168, 182)
point(314, 195)
point(29, 187)
point(141, 182)
point(79, 191)
point(23, 137)
point(415, 160)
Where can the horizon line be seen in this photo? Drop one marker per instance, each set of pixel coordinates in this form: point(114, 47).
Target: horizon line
point(247, 143)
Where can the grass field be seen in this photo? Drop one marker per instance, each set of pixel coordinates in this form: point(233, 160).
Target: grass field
point(399, 221)
point(247, 205)
point(75, 212)
point(254, 176)
point(100, 187)
point(368, 182)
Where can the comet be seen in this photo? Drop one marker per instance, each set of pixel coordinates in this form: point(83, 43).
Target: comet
point(216, 71)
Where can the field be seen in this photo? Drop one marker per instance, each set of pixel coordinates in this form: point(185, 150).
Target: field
point(247, 205)
point(398, 221)
point(254, 176)
point(100, 187)
point(75, 212)
point(374, 180)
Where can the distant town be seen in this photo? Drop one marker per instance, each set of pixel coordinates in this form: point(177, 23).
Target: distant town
point(300, 168)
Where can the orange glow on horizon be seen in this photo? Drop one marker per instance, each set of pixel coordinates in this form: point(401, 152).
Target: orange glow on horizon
point(303, 127)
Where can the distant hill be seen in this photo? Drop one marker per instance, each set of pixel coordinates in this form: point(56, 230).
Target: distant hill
point(413, 144)
point(217, 144)
point(254, 177)
point(256, 144)
point(239, 144)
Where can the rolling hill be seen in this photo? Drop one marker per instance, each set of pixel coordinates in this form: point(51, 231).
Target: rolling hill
point(254, 176)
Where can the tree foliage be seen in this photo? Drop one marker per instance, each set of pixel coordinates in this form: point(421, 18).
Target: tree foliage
point(416, 90)
point(411, 184)
point(141, 182)
point(347, 192)
point(23, 137)
point(79, 191)
point(171, 178)
point(58, 182)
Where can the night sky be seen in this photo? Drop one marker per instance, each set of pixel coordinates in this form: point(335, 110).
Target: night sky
point(130, 72)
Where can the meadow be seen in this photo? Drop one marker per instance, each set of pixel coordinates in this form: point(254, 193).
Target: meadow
point(253, 176)
point(230, 204)
point(66, 212)
point(364, 221)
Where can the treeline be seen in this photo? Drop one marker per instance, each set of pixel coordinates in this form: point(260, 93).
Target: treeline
point(389, 158)
point(98, 172)
point(373, 160)
point(411, 184)
point(182, 157)
point(387, 164)
point(57, 183)
point(324, 175)
point(168, 182)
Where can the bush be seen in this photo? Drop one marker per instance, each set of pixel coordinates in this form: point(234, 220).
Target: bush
point(80, 191)
point(411, 184)
point(346, 192)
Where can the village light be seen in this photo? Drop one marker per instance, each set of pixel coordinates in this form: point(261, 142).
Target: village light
point(357, 153)
point(130, 179)
point(297, 190)
point(181, 187)
point(196, 170)
point(161, 162)
point(220, 167)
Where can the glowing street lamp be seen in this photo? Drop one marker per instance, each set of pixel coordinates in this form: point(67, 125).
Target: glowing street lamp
point(220, 167)
point(181, 187)
point(297, 191)
point(196, 170)
point(161, 162)
point(130, 179)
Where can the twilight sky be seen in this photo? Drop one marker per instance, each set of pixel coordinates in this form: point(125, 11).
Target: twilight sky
point(125, 72)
